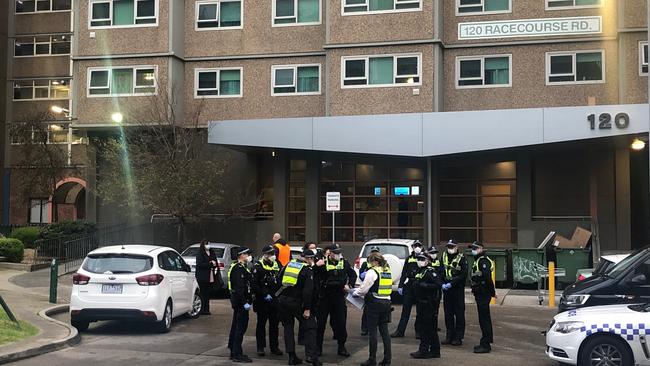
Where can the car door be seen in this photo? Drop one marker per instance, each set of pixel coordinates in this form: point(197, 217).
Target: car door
point(638, 283)
point(168, 265)
point(183, 291)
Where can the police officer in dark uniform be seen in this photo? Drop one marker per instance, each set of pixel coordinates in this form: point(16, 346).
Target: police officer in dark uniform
point(336, 277)
point(483, 290)
point(406, 288)
point(241, 297)
point(265, 284)
point(362, 275)
point(295, 298)
point(427, 288)
point(454, 293)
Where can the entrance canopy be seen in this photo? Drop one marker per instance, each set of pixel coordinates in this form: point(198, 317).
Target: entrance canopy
point(433, 134)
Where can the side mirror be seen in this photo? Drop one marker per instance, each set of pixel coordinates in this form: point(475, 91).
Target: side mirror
point(639, 280)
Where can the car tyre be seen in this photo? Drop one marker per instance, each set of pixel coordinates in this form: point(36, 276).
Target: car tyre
point(197, 305)
point(611, 348)
point(165, 325)
point(81, 325)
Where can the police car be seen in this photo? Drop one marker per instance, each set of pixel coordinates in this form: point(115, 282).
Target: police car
point(615, 335)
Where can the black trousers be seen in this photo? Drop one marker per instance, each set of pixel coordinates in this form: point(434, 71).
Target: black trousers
point(426, 324)
point(409, 299)
point(267, 312)
point(335, 307)
point(237, 330)
point(364, 320)
point(290, 311)
point(378, 314)
point(484, 318)
point(454, 303)
point(205, 288)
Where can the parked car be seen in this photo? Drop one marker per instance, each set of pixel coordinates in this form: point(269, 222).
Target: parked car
point(133, 282)
point(602, 335)
point(394, 250)
point(605, 264)
point(628, 282)
point(223, 251)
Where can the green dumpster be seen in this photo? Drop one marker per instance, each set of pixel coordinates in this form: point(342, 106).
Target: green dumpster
point(500, 258)
point(571, 260)
point(527, 265)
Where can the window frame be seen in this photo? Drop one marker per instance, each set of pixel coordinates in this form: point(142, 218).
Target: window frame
point(372, 12)
point(570, 7)
point(134, 69)
point(49, 90)
point(367, 58)
point(218, 70)
point(218, 3)
point(573, 54)
point(110, 15)
point(642, 55)
point(482, 59)
point(295, 7)
point(294, 67)
point(41, 11)
point(50, 54)
point(483, 12)
point(44, 202)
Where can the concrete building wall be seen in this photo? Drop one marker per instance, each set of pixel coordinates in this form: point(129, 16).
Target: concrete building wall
point(35, 67)
point(633, 84)
point(41, 23)
point(634, 13)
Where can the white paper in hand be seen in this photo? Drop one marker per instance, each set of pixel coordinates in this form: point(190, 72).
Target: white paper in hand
point(357, 302)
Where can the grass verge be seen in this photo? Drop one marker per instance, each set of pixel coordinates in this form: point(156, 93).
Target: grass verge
point(12, 332)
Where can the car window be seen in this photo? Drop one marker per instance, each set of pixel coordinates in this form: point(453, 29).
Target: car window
point(643, 269)
point(400, 251)
point(176, 260)
point(193, 251)
point(165, 262)
point(622, 266)
point(117, 263)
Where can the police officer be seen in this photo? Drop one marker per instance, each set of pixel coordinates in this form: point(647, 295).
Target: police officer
point(454, 293)
point(336, 277)
point(483, 290)
point(295, 298)
point(265, 284)
point(427, 288)
point(362, 275)
point(241, 298)
point(406, 288)
point(376, 289)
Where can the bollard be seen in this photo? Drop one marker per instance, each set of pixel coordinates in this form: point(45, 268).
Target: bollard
point(494, 278)
point(54, 280)
point(551, 284)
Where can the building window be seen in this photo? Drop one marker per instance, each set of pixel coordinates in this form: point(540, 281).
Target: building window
point(296, 212)
point(218, 83)
point(380, 71)
point(122, 81)
point(218, 14)
point(51, 134)
point(38, 211)
point(378, 200)
point(42, 46)
point(472, 7)
point(563, 4)
point(296, 12)
point(296, 79)
point(478, 202)
point(483, 71)
point(380, 6)
point(643, 58)
point(122, 13)
point(42, 6)
point(41, 89)
point(585, 67)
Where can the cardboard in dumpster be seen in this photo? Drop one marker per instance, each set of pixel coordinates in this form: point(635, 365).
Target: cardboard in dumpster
point(579, 240)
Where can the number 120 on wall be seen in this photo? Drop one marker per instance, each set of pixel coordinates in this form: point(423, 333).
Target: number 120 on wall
point(604, 122)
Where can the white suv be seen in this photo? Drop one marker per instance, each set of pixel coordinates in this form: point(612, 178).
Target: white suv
point(395, 251)
point(133, 282)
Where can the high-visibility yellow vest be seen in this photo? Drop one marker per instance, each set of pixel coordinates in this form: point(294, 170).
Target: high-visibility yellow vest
point(291, 272)
point(274, 267)
point(449, 266)
point(232, 265)
point(412, 260)
point(475, 265)
point(422, 273)
point(435, 263)
point(338, 266)
point(385, 281)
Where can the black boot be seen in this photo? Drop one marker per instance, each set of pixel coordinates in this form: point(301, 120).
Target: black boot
point(446, 342)
point(369, 363)
point(482, 349)
point(420, 355)
point(277, 352)
point(294, 360)
point(456, 342)
point(397, 334)
point(384, 363)
point(342, 351)
point(260, 352)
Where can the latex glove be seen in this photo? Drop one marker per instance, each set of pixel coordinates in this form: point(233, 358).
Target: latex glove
point(268, 298)
point(362, 276)
point(247, 307)
point(446, 286)
point(400, 291)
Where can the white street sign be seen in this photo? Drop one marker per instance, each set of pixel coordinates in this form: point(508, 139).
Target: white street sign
point(530, 27)
point(333, 201)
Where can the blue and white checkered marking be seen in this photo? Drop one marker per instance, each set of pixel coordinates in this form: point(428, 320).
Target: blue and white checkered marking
point(627, 331)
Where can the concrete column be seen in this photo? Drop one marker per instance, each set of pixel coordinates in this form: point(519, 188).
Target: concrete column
point(433, 190)
point(525, 229)
point(280, 179)
point(623, 205)
point(312, 183)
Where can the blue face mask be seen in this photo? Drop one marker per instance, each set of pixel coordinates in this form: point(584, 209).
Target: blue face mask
point(474, 252)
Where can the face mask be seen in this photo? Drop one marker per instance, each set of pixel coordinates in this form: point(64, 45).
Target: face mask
point(434, 256)
point(248, 259)
point(422, 264)
point(452, 250)
point(271, 258)
point(417, 250)
point(474, 252)
point(315, 251)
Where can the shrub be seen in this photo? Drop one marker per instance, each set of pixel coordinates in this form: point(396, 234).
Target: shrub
point(27, 235)
point(12, 249)
point(66, 228)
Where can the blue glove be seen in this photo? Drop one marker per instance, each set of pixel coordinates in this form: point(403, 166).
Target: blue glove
point(446, 286)
point(362, 276)
point(247, 307)
point(268, 298)
point(400, 291)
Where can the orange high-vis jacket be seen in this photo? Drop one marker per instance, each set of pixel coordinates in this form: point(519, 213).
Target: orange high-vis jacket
point(284, 253)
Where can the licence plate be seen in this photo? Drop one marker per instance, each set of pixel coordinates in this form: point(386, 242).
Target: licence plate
point(111, 289)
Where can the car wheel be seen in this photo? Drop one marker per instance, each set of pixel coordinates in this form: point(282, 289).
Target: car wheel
point(165, 325)
point(81, 325)
point(197, 304)
point(605, 351)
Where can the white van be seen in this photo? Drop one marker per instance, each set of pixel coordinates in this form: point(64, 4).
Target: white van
point(394, 250)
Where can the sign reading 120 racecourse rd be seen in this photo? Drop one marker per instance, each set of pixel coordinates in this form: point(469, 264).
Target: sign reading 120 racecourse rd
point(530, 28)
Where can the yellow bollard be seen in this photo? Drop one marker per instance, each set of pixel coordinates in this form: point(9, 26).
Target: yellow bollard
point(551, 284)
point(494, 282)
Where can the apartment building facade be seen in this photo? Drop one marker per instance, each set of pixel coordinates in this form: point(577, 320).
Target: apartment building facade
point(492, 120)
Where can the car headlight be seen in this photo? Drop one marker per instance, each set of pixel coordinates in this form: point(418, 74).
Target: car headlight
point(576, 300)
point(568, 327)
